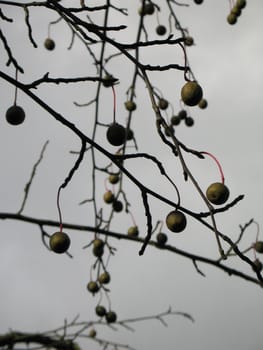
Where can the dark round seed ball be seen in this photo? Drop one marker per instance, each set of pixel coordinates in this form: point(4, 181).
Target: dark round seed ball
point(116, 134)
point(161, 238)
point(217, 193)
point(117, 206)
point(59, 242)
point(49, 44)
point(161, 30)
point(15, 115)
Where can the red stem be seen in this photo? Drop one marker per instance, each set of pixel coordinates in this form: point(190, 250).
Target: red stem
point(218, 164)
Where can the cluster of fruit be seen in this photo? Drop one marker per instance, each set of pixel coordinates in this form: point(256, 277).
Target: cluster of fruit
point(102, 280)
point(217, 193)
point(258, 247)
point(161, 29)
point(236, 11)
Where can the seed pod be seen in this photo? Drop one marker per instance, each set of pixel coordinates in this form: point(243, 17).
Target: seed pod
point(217, 193)
point(191, 93)
point(15, 115)
point(49, 44)
point(176, 221)
point(116, 134)
point(59, 242)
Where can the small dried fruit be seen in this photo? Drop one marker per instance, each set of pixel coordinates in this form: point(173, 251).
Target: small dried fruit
point(217, 193)
point(175, 120)
point(161, 238)
point(92, 333)
point(191, 93)
point(15, 115)
point(189, 121)
point(104, 278)
point(59, 242)
point(116, 134)
point(100, 310)
point(49, 44)
point(189, 41)
point(258, 265)
point(202, 104)
point(231, 18)
point(108, 197)
point(161, 30)
point(111, 316)
point(130, 105)
point(258, 246)
point(163, 103)
point(117, 206)
point(176, 221)
point(114, 178)
point(93, 287)
point(133, 231)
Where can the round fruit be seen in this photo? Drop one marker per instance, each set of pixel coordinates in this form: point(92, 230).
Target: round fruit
point(175, 120)
point(163, 103)
point(114, 178)
point(59, 242)
point(49, 44)
point(117, 206)
point(231, 18)
point(98, 248)
point(108, 197)
point(116, 134)
point(189, 41)
point(98, 243)
point(259, 246)
point(160, 29)
point(241, 3)
point(93, 287)
point(182, 114)
point(189, 121)
point(236, 11)
point(217, 193)
point(202, 104)
point(258, 266)
point(191, 93)
point(130, 105)
point(104, 278)
point(133, 231)
point(100, 310)
point(161, 238)
point(176, 221)
point(111, 316)
point(98, 252)
point(108, 80)
point(15, 115)
point(92, 333)
point(148, 9)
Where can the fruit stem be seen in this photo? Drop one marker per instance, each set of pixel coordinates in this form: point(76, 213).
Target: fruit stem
point(114, 104)
point(59, 210)
point(132, 217)
point(16, 88)
point(218, 164)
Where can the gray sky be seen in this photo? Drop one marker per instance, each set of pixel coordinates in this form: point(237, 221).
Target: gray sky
point(39, 289)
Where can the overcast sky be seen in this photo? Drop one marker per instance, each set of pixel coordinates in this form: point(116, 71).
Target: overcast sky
point(40, 289)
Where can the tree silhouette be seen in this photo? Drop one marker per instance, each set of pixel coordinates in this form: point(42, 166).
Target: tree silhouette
point(119, 45)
